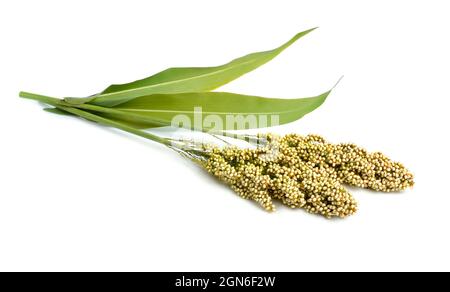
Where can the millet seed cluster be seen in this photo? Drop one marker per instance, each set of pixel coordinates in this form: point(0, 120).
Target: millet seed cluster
point(305, 172)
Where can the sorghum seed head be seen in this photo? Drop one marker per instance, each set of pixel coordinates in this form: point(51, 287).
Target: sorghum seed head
point(305, 172)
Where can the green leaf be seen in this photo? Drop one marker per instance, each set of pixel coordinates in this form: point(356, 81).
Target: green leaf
point(55, 110)
point(219, 110)
point(179, 80)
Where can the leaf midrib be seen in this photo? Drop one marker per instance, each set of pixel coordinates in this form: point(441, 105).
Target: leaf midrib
point(206, 112)
point(174, 81)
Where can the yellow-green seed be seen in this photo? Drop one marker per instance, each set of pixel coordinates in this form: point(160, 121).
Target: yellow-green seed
point(305, 172)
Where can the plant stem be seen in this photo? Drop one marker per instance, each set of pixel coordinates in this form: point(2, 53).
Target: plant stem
point(60, 104)
point(158, 122)
point(75, 109)
point(120, 113)
point(42, 98)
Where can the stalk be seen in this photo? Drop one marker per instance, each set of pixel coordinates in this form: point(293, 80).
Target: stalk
point(159, 122)
point(107, 110)
point(72, 108)
point(60, 104)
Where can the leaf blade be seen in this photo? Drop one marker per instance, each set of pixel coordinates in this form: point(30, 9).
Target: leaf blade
point(190, 79)
point(164, 108)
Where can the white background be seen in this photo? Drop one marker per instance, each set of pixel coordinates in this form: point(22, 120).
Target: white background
point(78, 197)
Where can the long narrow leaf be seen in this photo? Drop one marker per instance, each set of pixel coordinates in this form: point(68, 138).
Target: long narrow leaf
point(211, 110)
point(179, 80)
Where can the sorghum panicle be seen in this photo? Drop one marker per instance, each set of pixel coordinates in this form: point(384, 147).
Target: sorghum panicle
point(262, 175)
point(354, 165)
point(305, 172)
